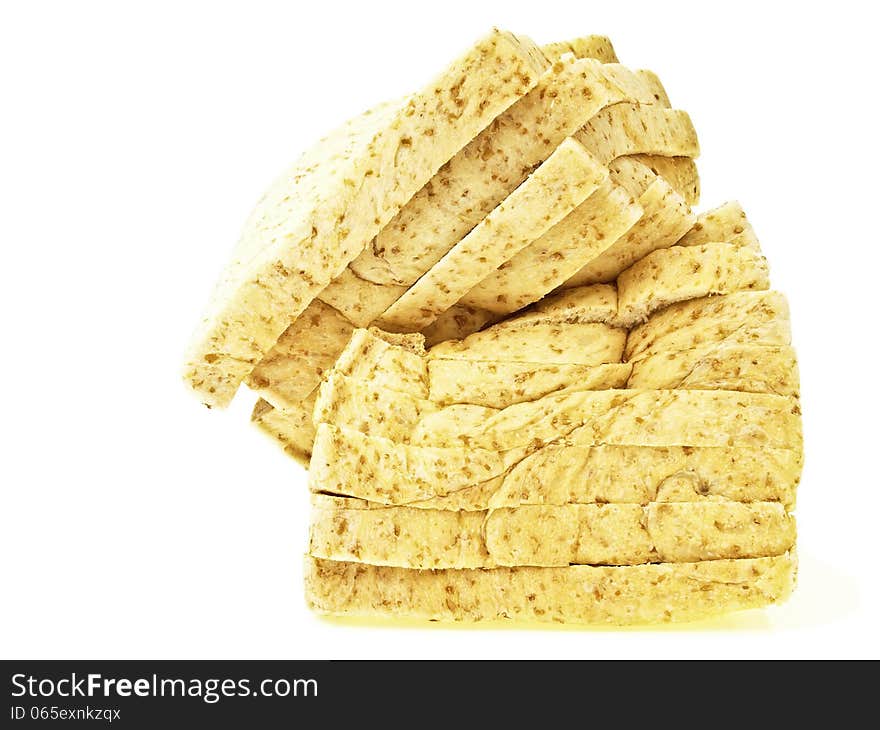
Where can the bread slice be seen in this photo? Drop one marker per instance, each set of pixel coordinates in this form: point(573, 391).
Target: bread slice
point(587, 418)
point(745, 317)
point(684, 418)
point(725, 366)
point(293, 368)
point(291, 428)
point(395, 361)
point(346, 461)
point(564, 473)
point(680, 273)
point(665, 218)
point(556, 188)
point(361, 302)
point(654, 593)
point(547, 535)
point(322, 213)
point(641, 86)
point(680, 172)
point(352, 529)
point(634, 128)
point(727, 223)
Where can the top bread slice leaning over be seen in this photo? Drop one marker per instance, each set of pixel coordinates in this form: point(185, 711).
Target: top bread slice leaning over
point(321, 214)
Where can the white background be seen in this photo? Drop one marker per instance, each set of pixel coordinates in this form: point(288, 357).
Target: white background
point(134, 139)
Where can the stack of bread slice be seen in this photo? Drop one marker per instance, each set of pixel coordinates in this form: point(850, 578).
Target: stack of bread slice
point(530, 381)
point(618, 454)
